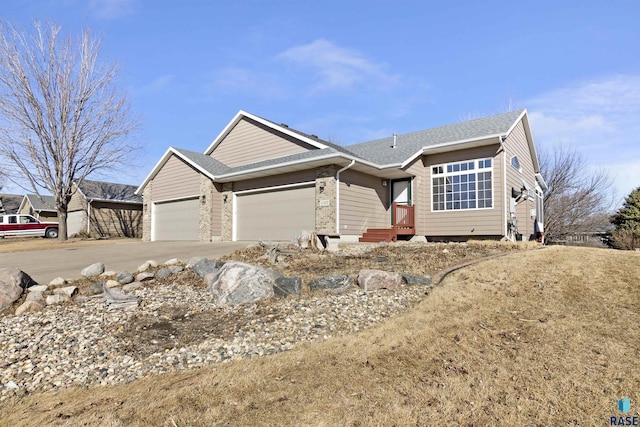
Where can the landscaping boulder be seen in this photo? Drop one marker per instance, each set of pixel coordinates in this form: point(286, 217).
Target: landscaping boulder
point(144, 277)
point(162, 273)
point(417, 280)
point(370, 280)
point(69, 291)
point(125, 277)
point(334, 283)
point(58, 281)
point(38, 288)
point(132, 286)
point(172, 261)
point(285, 286)
point(176, 269)
point(112, 284)
point(29, 307)
point(93, 270)
point(12, 284)
point(35, 296)
point(239, 283)
point(57, 299)
point(206, 266)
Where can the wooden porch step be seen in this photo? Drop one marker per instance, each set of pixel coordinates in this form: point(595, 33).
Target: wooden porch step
point(375, 235)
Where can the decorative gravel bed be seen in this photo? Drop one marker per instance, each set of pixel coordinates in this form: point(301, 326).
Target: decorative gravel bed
point(176, 327)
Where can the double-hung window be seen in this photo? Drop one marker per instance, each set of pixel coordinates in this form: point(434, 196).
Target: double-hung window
point(462, 185)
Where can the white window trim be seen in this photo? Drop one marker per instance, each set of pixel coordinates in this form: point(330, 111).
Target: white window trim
point(519, 168)
point(476, 170)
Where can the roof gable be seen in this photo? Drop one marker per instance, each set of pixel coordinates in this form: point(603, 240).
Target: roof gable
point(282, 128)
point(108, 191)
point(39, 202)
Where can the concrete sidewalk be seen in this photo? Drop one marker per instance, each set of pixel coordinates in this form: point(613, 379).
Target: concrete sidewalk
point(45, 265)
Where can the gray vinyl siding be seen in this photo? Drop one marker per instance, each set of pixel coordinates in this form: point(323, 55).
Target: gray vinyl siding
point(472, 222)
point(516, 145)
point(364, 203)
point(174, 180)
point(250, 142)
point(276, 180)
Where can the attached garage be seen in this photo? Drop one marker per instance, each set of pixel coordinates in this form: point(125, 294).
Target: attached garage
point(75, 222)
point(176, 220)
point(275, 215)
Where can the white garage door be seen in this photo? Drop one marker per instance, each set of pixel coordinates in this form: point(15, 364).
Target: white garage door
point(74, 223)
point(176, 220)
point(275, 215)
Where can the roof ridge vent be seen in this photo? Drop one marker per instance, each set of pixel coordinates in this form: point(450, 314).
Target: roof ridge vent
point(284, 125)
point(314, 136)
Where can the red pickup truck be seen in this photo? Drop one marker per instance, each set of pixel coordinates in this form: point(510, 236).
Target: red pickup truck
point(26, 225)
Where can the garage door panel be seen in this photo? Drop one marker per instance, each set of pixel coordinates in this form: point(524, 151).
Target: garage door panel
point(275, 215)
point(74, 222)
point(177, 220)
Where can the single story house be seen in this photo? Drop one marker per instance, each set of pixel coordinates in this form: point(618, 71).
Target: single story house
point(105, 209)
point(41, 207)
point(9, 203)
point(264, 180)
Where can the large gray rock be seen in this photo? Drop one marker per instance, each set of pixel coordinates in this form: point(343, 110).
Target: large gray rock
point(417, 280)
point(370, 280)
point(206, 266)
point(239, 283)
point(162, 273)
point(35, 296)
point(334, 283)
point(93, 270)
point(12, 284)
point(285, 286)
point(125, 277)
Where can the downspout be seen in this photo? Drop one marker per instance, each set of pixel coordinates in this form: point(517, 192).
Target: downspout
point(506, 203)
point(89, 216)
point(353, 162)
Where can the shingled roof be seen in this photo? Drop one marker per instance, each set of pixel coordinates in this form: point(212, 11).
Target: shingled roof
point(42, 203)
point(108, 191)
point(381, 151)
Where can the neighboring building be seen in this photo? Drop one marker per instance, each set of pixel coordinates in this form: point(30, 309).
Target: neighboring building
point(105, 209)
point(262, 180)
point(41, 207)
point(9, 203)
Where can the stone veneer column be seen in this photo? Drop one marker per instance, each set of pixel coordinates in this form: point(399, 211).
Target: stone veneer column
point(205, 214)
point(326, 200)
point(146, 212)
point(227, 212)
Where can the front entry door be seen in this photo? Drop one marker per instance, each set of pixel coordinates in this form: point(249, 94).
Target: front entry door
point(400, 193)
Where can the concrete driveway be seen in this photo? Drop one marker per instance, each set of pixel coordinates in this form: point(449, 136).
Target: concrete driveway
point(45, 265)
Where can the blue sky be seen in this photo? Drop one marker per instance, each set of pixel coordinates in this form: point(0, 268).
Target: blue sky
point(351, 71)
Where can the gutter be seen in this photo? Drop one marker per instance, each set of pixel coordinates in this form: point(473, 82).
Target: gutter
point(353, 162)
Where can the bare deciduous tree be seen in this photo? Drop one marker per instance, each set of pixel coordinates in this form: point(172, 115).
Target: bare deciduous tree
point(62, 117)
point(579, 199)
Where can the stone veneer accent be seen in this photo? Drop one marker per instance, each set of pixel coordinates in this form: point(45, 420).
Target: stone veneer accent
point(146, 211)
point(326, 191)
point(227, 212)
point(205, 214)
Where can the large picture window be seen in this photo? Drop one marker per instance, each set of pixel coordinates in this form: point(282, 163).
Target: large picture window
point(462, 185)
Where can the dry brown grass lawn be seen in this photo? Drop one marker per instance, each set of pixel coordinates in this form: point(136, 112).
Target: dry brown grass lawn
point(11, 244)
point(547, 338)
